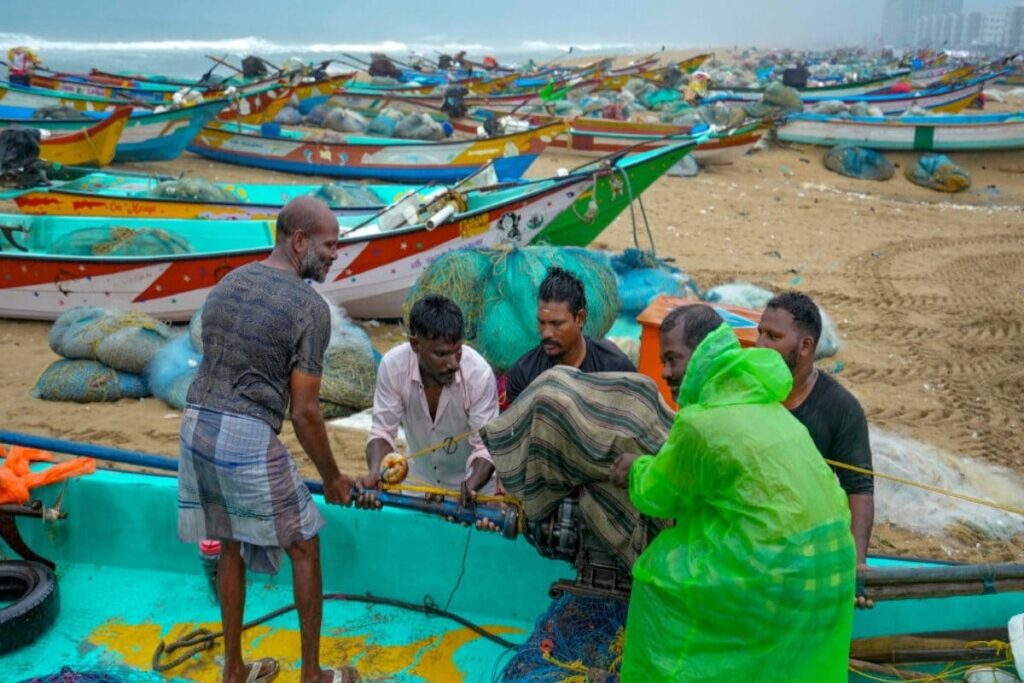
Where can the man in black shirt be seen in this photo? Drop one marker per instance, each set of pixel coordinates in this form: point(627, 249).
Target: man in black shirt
point(791, 324)
point(561, 315)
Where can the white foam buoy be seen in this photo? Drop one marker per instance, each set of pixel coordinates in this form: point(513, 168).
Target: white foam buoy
point(989, 674)
point(1016, 631)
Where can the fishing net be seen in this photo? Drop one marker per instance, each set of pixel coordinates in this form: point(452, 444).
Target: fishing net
point(643, 276)
point(345, 121)
point(193, 189)
point(119, 241)
point(857, 162)
point(347, 194)
point(938, 172)
point(579, 636)
point(746, 295)
point(385, 122)
point(125, 341)
point(69, 675)
point(778, 95)
point(418, 127)
point(289, 116)
point(172, 370)
point(64, 322)
point(57, 113)
point(497, 292)
point(195, 330)
point(87, 381)
point(350, 368)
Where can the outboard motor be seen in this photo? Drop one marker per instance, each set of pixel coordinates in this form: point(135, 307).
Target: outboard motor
point(444, 62)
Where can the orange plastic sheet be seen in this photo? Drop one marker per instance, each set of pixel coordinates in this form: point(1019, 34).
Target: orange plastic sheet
point(16, 478)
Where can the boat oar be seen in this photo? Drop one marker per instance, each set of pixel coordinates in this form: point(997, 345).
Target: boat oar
point(224, 62)
point(209, 73)
point(506, 518)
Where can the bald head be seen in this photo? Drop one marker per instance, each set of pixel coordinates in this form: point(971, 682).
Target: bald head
point(303, 213)
point(307, 238)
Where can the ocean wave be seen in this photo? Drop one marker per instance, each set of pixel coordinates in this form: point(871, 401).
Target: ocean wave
point(253, 44)
point(248, 44)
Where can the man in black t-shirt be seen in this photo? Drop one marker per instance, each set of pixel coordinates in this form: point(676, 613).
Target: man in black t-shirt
point(791, 324)
point(561, 315)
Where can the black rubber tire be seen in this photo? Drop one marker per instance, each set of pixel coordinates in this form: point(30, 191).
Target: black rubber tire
point(33, 588)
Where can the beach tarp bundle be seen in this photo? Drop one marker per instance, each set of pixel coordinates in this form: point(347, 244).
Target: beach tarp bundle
point(497, 292)
point(578, 634)
point(938, 172)
point(857, 162)
point(746, 295)
point(105, 353)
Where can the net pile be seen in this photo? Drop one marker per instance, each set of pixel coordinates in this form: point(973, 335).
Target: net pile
point(643, 276)
point(350, 368)
point(497, 292)
point(119, 241)
point(105, 354)
point(193, 189)
point(173, 369)
point(579, 636)
point(69, 675)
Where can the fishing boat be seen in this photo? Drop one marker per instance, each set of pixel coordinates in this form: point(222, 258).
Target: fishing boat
point(960, 133)
point(358, 156)
point(837, 90)
point(948, 98)
point(92, 145)
point(147, 136)
point(51, 263)
point(457, 618)
point(590, 136)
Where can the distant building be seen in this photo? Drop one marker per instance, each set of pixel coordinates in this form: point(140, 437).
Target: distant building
point(901, 20)
point(953, 29)
point(1014, 28)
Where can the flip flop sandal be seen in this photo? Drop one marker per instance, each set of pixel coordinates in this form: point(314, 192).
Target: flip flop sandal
point(269, 668)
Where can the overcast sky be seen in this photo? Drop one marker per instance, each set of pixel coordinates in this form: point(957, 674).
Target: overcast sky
point(499, 23)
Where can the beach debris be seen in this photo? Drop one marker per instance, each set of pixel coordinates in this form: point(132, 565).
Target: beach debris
point(938, 172)
point(858, 162)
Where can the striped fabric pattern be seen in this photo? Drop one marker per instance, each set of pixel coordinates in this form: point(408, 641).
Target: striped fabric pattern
point(237, 481)
point(564, 432)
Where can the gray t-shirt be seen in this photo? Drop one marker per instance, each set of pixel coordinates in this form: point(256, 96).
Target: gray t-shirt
point(259, 323)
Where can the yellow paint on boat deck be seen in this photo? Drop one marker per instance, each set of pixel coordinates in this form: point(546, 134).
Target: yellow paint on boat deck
point(430, 659)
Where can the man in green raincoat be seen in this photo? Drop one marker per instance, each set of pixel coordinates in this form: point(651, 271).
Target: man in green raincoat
point(755, 581)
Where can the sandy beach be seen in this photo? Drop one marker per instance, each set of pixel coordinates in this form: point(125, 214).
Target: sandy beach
point(927, 290)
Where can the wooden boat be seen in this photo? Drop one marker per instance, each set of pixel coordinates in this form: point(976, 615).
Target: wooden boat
point(838, 90)
point(588, 135)
point(128, 195)
point(147, 136)
point(94, 145)
point(960, 133)
point(368, 157)
point(949, 98)
point(116, 538)
point(51, 263)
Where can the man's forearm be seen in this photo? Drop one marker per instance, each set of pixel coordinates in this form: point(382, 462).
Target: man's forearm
point(862, 519)
point(376, 449)
point(312, 434)
point(479, 474)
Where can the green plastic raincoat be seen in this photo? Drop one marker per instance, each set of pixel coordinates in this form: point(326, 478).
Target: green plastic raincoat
point(755, 582)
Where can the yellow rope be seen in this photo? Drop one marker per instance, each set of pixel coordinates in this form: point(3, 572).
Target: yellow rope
point(1002, 649)
point(928, 487)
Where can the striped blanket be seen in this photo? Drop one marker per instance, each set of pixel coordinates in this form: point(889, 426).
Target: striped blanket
point(564, 432)
point(237, 481)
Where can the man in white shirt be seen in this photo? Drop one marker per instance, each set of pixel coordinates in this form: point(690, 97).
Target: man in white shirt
point(436, 389)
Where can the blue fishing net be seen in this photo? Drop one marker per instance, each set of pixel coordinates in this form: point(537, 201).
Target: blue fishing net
point(172, 370)
point(578, 634)
point(69, 675)
point(643, 276)
point(87, 381)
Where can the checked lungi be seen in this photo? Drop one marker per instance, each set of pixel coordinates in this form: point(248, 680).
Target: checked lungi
point(237, 481)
